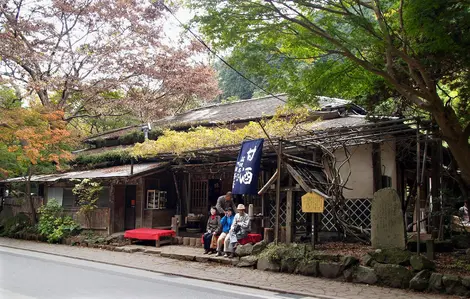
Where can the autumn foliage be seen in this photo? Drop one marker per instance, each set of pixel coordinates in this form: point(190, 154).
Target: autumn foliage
point(73, 54)
point(285, 123)
point(34, 136)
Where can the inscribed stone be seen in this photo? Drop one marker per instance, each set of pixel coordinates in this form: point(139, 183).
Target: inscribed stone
point(387, 228)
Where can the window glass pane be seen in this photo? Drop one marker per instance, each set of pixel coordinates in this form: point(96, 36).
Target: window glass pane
point(68, 198)
point(103, 201)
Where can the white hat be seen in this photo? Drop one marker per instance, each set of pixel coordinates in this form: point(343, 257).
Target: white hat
point(240, 207)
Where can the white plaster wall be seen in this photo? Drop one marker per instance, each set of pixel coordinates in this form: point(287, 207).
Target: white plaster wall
point(361, 181)
point(388, 157)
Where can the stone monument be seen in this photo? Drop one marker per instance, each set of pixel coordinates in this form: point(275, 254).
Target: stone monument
point(387, 227)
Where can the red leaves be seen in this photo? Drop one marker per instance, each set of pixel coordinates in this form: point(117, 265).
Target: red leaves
point(71, 53)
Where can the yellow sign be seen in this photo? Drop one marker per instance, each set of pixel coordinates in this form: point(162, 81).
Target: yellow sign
point(313, 203)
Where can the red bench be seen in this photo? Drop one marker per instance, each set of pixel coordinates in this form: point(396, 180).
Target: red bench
point(151, 234)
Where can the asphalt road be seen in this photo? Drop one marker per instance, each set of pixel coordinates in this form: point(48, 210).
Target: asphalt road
point(28, 275)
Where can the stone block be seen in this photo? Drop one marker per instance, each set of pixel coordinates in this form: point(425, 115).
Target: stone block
point(392, 256)
point(368, 260)
point(186, 241)
point(327, 257)
point(259, 247)
point(244, 250)
point(202, 259)
point(420, 281)
point(330, 269)
point(288, 265)
point(247, 261)
point(192, 242)
point(419, 262)
point(349, 261)
point(264, 264)
point(394, 276)
point(197, 242)
point(435, 282)
point(453, 285)
point(466, 281)
point(387, 227)
point(360, 274)
point(307, 267)
point(430, 250)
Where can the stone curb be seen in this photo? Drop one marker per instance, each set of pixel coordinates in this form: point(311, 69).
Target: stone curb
point(271, 289)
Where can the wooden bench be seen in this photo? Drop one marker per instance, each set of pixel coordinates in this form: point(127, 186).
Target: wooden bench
point(161, 236)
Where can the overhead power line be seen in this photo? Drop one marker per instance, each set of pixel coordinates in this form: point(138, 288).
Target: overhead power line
point(199, 39)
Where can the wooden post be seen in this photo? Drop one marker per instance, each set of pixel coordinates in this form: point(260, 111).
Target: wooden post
point(376, 166)
point(418, 190)
point(278, 192)
point(188, 200)
point(111, 209)
point(263, 175)
point(175, 225)
point(178, 197)
point(315, 227)
point(289, 217)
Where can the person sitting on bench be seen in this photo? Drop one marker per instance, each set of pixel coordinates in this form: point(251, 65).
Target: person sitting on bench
point(226, 223)
point(213, 226)
point(241, 226)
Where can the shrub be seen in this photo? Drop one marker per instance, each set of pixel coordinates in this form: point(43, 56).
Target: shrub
point(131, 138)
point(109, 158)
point(53, 225)
point(100, 142)
point(19, 223)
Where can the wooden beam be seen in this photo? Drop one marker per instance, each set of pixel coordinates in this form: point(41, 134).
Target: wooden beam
point(298, 178)
point(269, 183)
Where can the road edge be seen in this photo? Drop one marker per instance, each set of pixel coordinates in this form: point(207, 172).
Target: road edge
point(271, 289)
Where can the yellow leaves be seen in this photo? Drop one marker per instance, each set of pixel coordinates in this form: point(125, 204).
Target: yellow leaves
point(173, 142)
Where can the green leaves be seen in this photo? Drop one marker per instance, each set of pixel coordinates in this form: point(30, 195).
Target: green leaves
point(53, 224)
point(88, 194)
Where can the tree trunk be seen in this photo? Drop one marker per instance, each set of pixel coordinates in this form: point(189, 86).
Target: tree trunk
point(29, 197)
point(453, 134)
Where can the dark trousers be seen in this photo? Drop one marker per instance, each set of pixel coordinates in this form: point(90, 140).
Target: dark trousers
point(207, 241)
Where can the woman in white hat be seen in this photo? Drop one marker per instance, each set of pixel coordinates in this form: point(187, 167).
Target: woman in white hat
point(241, 226)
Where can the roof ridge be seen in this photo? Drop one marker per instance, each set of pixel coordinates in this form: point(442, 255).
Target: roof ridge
point(235, 102)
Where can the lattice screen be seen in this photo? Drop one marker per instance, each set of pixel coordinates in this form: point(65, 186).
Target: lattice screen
point(358, 211)
point(327, 219)
point(300, 218)
point(272, 213)
point(199, 192)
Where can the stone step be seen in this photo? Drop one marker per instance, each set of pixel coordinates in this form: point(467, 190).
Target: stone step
point(190, 255)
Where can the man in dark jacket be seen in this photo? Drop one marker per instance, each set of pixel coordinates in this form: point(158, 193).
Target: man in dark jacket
point(224, 202)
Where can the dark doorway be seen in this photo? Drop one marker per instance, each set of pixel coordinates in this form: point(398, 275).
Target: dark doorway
point(130, 207)
point(215, 190)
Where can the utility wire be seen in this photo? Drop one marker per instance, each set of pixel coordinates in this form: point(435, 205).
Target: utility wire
point(161, 2)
